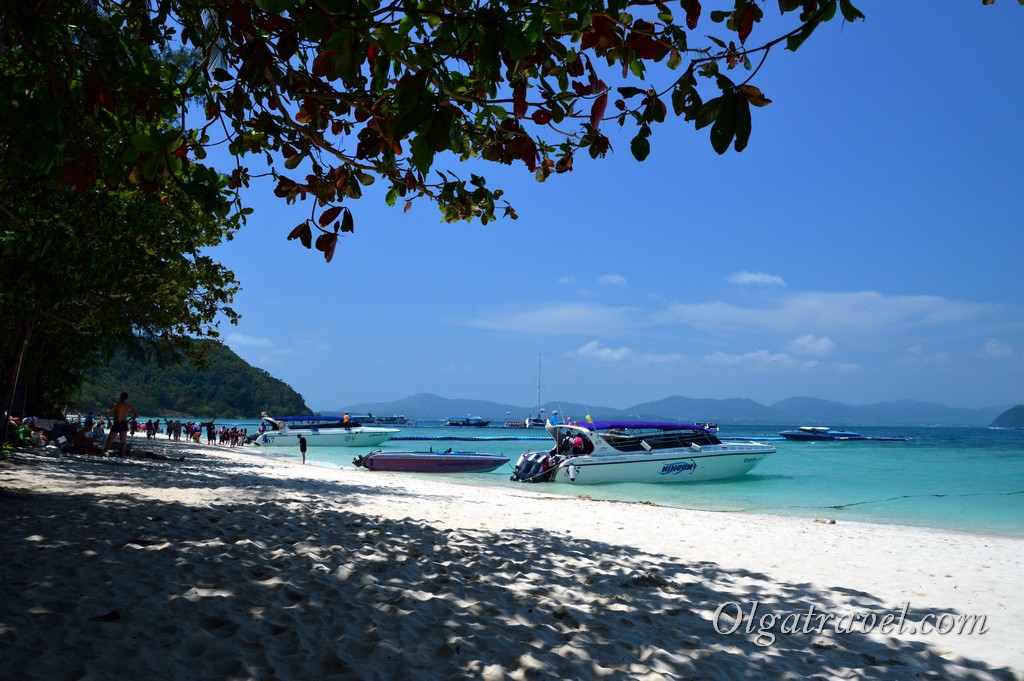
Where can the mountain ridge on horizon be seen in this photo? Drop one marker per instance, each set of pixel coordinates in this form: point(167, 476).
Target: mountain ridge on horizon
point(734, 411)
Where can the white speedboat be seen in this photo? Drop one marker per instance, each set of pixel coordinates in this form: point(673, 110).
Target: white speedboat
point(637, 451)
point(320, 431)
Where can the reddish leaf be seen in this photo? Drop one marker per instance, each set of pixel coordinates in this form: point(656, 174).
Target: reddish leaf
point(754, 95)
point(597, 110)
point(541, 116)
point(326, 244)
point(346, 222)
point(328, 215)
point(241, 19)
point(302, 233)
point(746, 23)
point(288, 151)
point(564, 164)
point(527, 150)
point(322, 63)
point(601, 33)
point(519, 105)
point(692, 14)
point(647, 47)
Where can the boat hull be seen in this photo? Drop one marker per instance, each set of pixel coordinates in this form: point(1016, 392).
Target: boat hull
point(432, 462)
point(327, 437)
point(717, 463)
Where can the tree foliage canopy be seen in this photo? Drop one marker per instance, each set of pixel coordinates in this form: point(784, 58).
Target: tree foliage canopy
point(334, 95)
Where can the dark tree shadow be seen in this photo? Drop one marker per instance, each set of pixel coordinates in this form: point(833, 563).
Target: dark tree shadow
point(300, 585)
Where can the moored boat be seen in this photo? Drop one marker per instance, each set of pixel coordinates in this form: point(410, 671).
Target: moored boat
point(637, 451)
point(380, 420)
point(808, 433)
point(824, 433)
point(467, 421)
point(431, 462)
point(320, 431)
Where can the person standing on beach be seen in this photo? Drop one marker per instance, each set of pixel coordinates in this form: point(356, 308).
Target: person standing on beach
point(302, 447)
point(121, 411)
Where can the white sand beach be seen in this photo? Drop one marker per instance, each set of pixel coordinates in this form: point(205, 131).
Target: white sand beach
point(230, 565)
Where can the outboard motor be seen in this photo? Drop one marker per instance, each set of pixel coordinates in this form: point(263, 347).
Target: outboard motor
point(533, 467)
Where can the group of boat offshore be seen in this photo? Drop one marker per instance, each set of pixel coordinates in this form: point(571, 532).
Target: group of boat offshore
point(581, 453)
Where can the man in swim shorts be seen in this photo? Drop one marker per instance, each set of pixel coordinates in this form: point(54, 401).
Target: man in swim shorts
point(121, 411)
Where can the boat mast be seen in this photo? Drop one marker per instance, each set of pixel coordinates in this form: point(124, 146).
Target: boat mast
point(538, 384)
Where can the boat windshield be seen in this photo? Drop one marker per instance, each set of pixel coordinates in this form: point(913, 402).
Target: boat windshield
point(641, 439)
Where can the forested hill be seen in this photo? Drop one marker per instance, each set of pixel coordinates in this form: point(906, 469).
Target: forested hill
point(1011, 418)
point(228, 388)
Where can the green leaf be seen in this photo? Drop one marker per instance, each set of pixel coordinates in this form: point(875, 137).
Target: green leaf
point(149, 169)
point(518, 45)
point(144, 142)
point(708, 113)
point(628, 92)
point(422, 153)
point(724, 129)
point(274, 6)
point(794, 41)
point(743, 124)
point(850, 13)
point(640, 146)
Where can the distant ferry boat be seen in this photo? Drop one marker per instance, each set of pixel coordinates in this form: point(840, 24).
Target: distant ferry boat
point(395, 420)
point(467, 421)
point(820, 433)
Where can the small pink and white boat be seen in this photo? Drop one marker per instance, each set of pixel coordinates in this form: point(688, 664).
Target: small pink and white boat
point(431, 461)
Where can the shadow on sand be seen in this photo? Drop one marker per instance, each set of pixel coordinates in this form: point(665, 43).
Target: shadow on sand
point(295, 583)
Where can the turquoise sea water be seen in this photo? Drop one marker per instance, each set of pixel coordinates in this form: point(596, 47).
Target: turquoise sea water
point(963, 479)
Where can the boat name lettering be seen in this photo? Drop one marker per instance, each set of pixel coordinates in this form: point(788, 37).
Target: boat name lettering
point(679, 467)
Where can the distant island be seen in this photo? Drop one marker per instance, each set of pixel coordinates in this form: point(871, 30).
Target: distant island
point(233, 389)
point(1011, 418)
point(791, 412)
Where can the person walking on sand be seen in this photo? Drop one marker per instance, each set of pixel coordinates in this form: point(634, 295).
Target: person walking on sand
point(121, 411)
point(302, 447)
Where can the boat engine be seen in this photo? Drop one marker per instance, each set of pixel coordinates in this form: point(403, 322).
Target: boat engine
point(534, 467)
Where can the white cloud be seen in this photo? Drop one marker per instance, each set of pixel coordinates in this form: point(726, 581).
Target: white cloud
point(809, 344)
point(760, 359)
point(564, 319)
point(861, 311)
point(745, 278)
point(240, 340)
point(613, 280)
point(996, 349)
point(923, 356)
point(594, 350)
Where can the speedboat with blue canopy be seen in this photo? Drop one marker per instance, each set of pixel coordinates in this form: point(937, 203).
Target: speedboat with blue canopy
point(638, 451)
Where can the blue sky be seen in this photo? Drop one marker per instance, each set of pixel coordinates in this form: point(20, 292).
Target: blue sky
point(866, 246)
